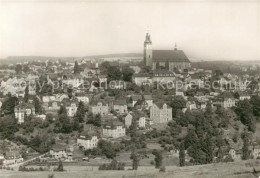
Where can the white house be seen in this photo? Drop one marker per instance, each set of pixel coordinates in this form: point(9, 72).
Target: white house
point(22, 110)
point(12, 157)
point(87, 142)
point(141, 122)
point(160, 113)
point(114, 130)
point(128, 120)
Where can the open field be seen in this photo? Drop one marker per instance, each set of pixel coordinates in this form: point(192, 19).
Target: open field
point(243, 169)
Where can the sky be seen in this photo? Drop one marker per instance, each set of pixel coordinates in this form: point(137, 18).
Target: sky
point(205, 30)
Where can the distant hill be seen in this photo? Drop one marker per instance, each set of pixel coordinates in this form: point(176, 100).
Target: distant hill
point(12, 59)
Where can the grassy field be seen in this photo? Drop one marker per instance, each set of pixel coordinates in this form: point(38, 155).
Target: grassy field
point(243, 169)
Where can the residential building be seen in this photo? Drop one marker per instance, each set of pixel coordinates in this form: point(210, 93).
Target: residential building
point(82, 97)
point(71, 108)
point(142, 79)
point(58, 151)
point(235, 154)
point(149, 100)
point(160, 113)
point(22, 110)
point(255, 151)
point(12, 157)
point(87, 142)
point(120, 106)
point(128, 120)
point(141, 122)
point(99, 107)
point(113, 129)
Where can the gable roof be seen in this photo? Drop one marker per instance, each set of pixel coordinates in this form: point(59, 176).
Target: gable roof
point(169, 55)
point(136, 97)
point(148, 97)
point(120, 102)
point(160, 105)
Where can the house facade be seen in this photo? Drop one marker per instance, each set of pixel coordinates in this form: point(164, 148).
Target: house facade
point(160, 113)
point(22, 110)
point(99, 107)
point(114, 130)
point(87, 142)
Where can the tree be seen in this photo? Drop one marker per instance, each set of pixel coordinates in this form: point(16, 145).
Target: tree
point(244, 110)
point(209, 148)
point(4, 147)
point(113, 73)
point(76, 68)
point(80, 114)
point(60, 167)
point(107, 149)
point(182, 154)
point(178, 103)
point(255, 102)
point(245, 148)
point(95, 120)
point(127, 74)
point(26, 94)
point(158, 158)
point(70, 91)
point(135, 158)
point(64, 121)
point(105, 66)
point(37, 105)
point(8, 127)
point(146, 69)
point(26, 69)
point(18, 68)
point(9, 104)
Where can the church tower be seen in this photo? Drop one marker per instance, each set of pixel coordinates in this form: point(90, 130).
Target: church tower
point(148, 58)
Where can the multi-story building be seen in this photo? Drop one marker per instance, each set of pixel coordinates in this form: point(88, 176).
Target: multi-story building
point(114, 129)
point(120, 106)
point(87, 142)
point(71, 108)
point(82, 97)
point(99, 107)
point(160, 113)
point(128, 120)
point(22, 110)
point(255, 151)
point(141, 122)
point(60, 152)
point(12, 157)
point(226, 102)
point(142, 79)
point(149, 100)
point(229, 102)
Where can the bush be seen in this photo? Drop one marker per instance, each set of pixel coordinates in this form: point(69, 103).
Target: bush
point(114, 165)
point(162, 169)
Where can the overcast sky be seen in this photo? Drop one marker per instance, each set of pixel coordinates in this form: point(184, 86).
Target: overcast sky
point(204, 30)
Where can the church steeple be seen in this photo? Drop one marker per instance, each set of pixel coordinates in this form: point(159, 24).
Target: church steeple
point(175, 47)
point(148, 50)
point(148, 39)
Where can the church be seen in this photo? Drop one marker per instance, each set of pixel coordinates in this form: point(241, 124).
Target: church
point(164, 59)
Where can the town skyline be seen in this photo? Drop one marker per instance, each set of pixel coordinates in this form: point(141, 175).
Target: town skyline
point(205, 30)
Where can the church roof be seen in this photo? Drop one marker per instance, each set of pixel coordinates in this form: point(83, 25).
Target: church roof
point(169, 55)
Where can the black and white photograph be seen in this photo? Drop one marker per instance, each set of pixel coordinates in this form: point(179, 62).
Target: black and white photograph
point(129, 88)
